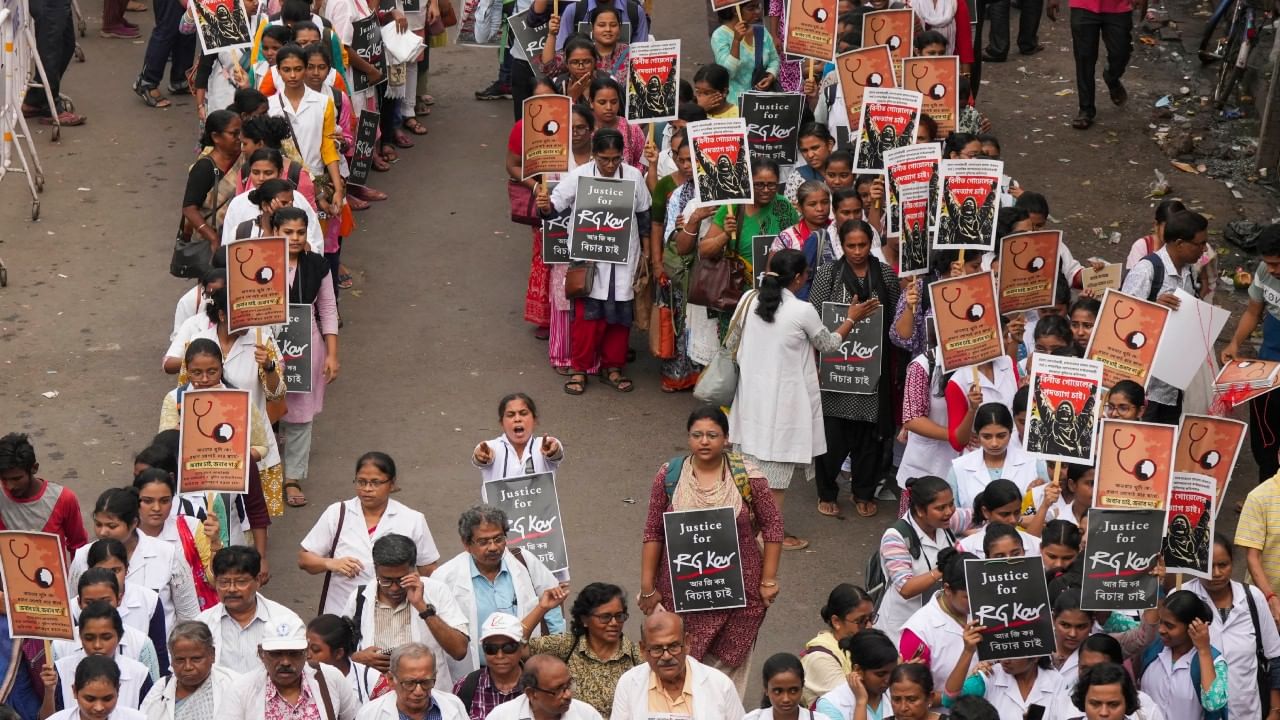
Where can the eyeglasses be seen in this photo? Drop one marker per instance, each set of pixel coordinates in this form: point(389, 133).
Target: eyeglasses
point(583, 62)
point(1118, 408)
point(409, 685)
point(606, 618)
point(865, 620)
point(657, 651)
point(362, 483)
point(233, 583)
point(495, 541)
point(507, 648)
point(710, 435)
point(566, 689)
point(386, 582)
point(765, 185)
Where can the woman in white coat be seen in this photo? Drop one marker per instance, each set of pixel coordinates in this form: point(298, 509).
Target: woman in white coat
point(267, 164)
point(518, 450)
point(198, 689)
point(997, 457)
point(776, 423)
point(934, 635)
point(97, 693)
point(1013, 687)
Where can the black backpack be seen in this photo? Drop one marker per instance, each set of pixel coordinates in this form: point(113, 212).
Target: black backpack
point(875, 579)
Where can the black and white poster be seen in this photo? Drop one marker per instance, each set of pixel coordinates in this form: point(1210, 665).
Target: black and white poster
point(653, 72)
point(366, 42)
point(721, 162)
point(366, 139)
point(704, 560)
point(1064, 408)
point(1009, 598)
point(773, 122)
point(760, 245)
point(1122, 548)
point(1188, 541)
point(854, 367)
point(603, 215)
point(555, 238)
point(221, 25)
point(533, 511)
point(530, 37)
point(296, 348)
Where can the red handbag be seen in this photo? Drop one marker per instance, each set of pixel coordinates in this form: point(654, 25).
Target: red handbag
point(524, 205)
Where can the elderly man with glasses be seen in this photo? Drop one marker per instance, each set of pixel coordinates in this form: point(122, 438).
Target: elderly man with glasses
point(413, 676)
point(243, 618)
point(672, 683)
point(548, 694)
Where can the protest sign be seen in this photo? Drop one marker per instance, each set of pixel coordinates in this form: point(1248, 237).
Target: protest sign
point(544, 135)
point(555, 238)
point(1063, 409)
point(366, 137)
point(1188, 540)
point(1209, 446)
point(1009, 598)
point(725, 4)
point(36, 598)
point(773, 121)
point(1188, 339)
point(894, 29)
point(965, 320)
point(214, 441)
point(221, 25)
point(855, 366)
point(760, 245)
point(1122, 548)
point(967, 204)
point(1029, 270)
point(913, 242)
point(257, 293)
point(1135, 464)
point(296, 349)
point(653, 72)
point(859, 70)
point(1098, 281)
point(1125, 337)
point(366, 43)
point(528, 36)
point(889, 118)
point(603, 215)
point(811, 29)
point(704, 560)
point(624, 31)
point(533, 513)
point(938, 80)
point(721, 162)
point(904, 167)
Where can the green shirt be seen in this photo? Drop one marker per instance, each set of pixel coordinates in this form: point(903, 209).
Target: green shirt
point(768, 220)
point(661, 194)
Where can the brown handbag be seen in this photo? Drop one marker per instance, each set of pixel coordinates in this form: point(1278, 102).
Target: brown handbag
point(579, 279)
point(718, 283)
point(448, 15)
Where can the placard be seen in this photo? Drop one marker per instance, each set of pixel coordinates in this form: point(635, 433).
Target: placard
point(1125, 337)
point(725, 4)
point(530, 37)
point(653, 74)
point(1009, 598)
point(721, 162)
point(858, 70)
point(214, 441)
point(889, 118)
point(36, 597)
point(855, 366)
point(1063, 409)
point(296, 349)
point(221, 25)
point(555, 238)
point(544, 135)
point(967, 205)
point(811, 29)
point(1188, 539)
point(1122, 548)
point(366, 42)
point(1098, 281)
point(965, 320)
point(366, 144)
point(773, 121)
point(704, 560)
point(894, 29)
point(603, 216)
point(1135, 465)
point(1209, 446)
point(760, 245)
point(624, 31)
point(907, 166)
point(938, 80)
point(1029, 270)
point(913, 241)
point(1187, 343)
point(533, 513)
point(257, 289)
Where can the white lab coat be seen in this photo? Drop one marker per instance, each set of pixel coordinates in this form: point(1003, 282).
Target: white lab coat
point(189, 305)
point(435, 593)
point(1003, 693)
point(306, 121)
point(944, 637)
point(1235, 639)
point(133, 675)
point(120, 713)
point(895, 610)
point(714, 694)
point(240, 370)
point(159, 703)
point(384, 708)
point(240, 209)
point(248, 698)
point(973, 543)
point(621, 273)
point(508, 463)
point(1063, 708)
point(1171, 682)
point(972, 476)
point(136, 608)
point(157, 565)
point(1001, 388)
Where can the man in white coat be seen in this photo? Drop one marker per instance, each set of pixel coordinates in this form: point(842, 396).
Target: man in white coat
point(414, 677)
point(487, 577)
point(243, 617)
point(548, 694)
point(286, 684)
point(672, 683)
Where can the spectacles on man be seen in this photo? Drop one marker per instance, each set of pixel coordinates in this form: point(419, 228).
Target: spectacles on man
point(657, 651)
point(386, 582)
point(495, 541)
point(565, 689)
point(582, 62)
point(606, 618)
point(410, 684)
point(233, 583)
point(506, 648)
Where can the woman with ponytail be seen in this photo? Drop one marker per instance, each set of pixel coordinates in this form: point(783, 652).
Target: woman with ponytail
point(777, 409)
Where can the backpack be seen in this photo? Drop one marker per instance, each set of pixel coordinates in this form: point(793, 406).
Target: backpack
point(736, 466)
point(874, 576)
point(1153, 651)
point(1157, 277)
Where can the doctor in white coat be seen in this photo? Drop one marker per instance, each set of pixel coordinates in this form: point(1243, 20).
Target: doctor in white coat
point(517, 451)
point(414, 678)
point(547, 692)
point(284, 673)
point(681, 681)
point(998, 456)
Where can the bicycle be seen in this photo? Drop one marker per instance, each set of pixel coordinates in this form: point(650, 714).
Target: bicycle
point(1233, 44)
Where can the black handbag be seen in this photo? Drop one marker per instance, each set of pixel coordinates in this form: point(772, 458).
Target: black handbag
point(760, 70)
point(192, 256)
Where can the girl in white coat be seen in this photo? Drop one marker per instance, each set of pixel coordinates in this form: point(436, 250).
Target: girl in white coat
point(925, 422)
point(1014, 687)
point(934, 635)
point(999, 504)
point(996, 457)
point(518, 450)
point(865, 693)
point(97, 693)
point(783, 678)
point(1097, 649)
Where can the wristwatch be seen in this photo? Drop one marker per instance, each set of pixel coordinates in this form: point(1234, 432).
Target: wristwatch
point(428, 612)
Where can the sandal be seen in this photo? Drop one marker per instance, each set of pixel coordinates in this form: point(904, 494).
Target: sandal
point(1082, 122)
point(615, 379)
point(564, 371)
point(380, 164)
point(401, 140)
point(389, 153)
point(420, 107)
point(791, 542)
point(415, 127)
point(830, 509)
point(866, 508)
point(297, 499)
point(345, 281)
point(577, 384)
point(541, 333)
point(150, 95)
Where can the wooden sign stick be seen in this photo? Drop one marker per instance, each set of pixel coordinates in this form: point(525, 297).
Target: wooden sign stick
point(738, 9)
point(810, 69)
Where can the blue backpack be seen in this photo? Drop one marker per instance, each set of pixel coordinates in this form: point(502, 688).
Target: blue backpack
point(1153, 651)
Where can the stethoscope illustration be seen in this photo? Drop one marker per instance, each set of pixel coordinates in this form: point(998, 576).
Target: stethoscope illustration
point(875, 79)
point(43, 576)
point(1134, 340)
point(223, 432)
point(263, 275)
point(973, 313)
point(1144, 469)
point(1210, 459)
point(894, 42)
point(1256, 371)
point(550, 128)
point(818, 14)
point(937, 91)
point(1036, 264)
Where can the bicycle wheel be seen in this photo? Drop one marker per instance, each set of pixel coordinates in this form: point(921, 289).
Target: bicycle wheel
point(1215, 34)
point(1230, 73)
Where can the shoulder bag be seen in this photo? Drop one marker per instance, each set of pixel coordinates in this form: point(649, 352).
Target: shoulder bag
point(579, 279)
point(524, 205)
point(192, 256)
point(328, 576)
point(718, 383)
point(717, 283)
point(324, 693)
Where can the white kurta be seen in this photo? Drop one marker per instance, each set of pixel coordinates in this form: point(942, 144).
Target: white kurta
point(621, 273)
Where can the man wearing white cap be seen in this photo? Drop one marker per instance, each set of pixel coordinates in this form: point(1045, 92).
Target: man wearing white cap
point(414, 676)
point(498, 680)
point(243, 617)
point(548, 694)
point(286, 687)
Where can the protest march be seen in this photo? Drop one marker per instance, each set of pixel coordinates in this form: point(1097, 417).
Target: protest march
point(1030, 479)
